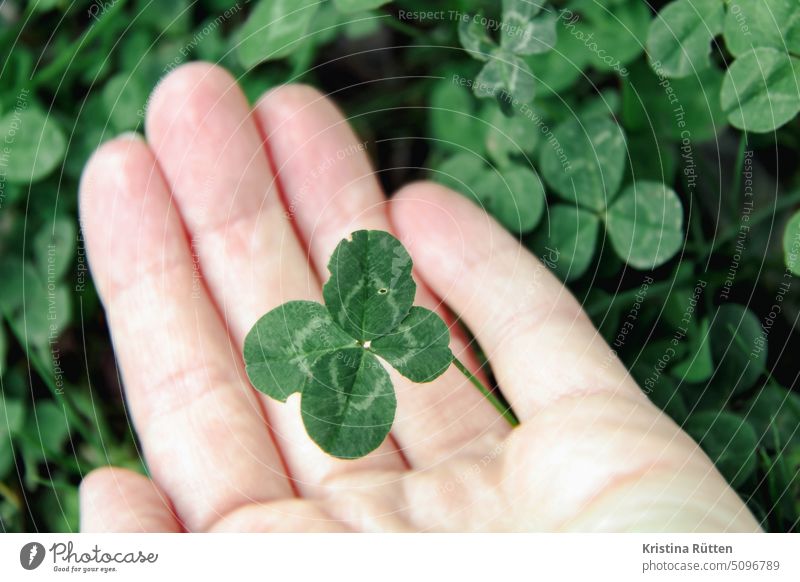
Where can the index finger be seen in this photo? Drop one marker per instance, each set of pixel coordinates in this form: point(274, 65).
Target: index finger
point(541, 344)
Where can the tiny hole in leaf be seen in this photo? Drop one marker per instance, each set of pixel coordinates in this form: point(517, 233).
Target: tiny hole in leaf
point(383, 291)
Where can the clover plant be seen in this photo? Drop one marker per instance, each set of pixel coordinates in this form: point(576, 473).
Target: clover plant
point(331, 354)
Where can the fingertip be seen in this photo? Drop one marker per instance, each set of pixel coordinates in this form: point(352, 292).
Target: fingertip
point(116, 153)
point(125, 212)
point(189, 93)
point(110, 170)
point(119, 500)
point(287, 101)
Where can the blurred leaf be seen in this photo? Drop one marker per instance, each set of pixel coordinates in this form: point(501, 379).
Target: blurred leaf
point(611, 34)
point(680, 36)
point(774, 408)
point(586, 161)
point(521, 33)
point(680, 109)
point(12, 417)
point(55, 247)
point(350, 6)
point(35, 145)
point(124, 97)
point(569, 237)
point(46, 432)
point(762, 23)
point(739, 347)
point(275, 29)
point(61, 508)
point(361, 25)
point(791, 244)
point(475, 39)
point(603, 104)
point(171, 18)
point(561, 67)
point(453, 119)
point(461, 172)
point(505, 76)
point(645, 224)
point(730, 442)
point(698, 365)
point(514, 195)
point(760, 92)
point(509, 136)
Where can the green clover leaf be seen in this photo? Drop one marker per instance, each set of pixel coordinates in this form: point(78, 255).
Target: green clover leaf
point(348, 407)
point(645, 224)
point(680, 36)
point(590, 164)
point(370, 290)
point(791, 244)
point(514, 194)
point(274, 30)
point(759, 93)
point(34, 144)
point(329, 353)
point(762, 23)
point(523, 32)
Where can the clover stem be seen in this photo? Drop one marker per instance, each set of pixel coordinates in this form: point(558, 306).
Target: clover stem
point(504, 410)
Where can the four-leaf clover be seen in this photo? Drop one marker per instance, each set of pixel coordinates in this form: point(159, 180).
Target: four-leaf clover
point(330, 353)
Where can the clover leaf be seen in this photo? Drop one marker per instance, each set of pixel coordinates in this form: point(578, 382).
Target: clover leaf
point(791, 244)
point(329, 353)
point(645, 224)
point(370, 290)
point(33, 143)
point(585, 164)
point(570, 239)
point(349, 405)
point(680, 36)
point(274, 30)
point(523, 32)
point(514, 195)
point(762, 23)
point(739, 347)
point(589, 164)
point(760, 93)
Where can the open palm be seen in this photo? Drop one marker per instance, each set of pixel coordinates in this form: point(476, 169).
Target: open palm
point(226, 213)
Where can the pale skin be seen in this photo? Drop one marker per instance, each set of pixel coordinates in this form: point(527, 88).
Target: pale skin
point(191, 239)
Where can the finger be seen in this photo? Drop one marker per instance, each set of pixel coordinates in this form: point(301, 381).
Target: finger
point(540, 343)
point(331, 191)
point(206, 141)
point(120, 501)
point(204, 438)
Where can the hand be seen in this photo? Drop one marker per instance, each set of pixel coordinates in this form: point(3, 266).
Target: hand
point(191, 239)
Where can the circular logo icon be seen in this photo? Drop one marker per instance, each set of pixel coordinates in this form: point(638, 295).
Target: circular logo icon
point(31, 555)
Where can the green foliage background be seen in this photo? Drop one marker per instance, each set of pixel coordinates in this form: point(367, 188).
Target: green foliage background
point(648, 152)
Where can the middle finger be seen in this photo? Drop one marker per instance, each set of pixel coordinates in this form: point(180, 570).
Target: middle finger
point(207, 143)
